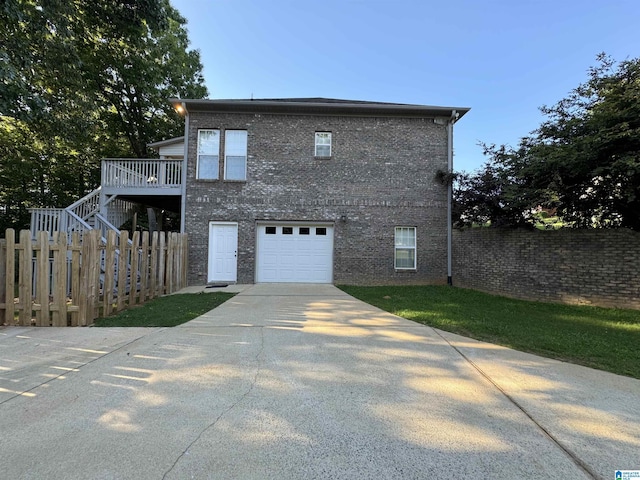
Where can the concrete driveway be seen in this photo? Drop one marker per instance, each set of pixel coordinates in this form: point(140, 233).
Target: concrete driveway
point(302, 382)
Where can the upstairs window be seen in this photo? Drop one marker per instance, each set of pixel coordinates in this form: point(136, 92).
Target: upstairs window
point(405, 248)
point(235, 155)
point(323, 144)
point(207, 165)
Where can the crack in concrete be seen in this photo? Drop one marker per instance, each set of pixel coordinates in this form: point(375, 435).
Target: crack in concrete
point(233, 406)
point(579, 463)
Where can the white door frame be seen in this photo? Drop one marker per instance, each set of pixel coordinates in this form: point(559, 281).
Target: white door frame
point(230, 256)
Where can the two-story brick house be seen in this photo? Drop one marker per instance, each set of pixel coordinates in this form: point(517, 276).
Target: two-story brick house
point(316, 190)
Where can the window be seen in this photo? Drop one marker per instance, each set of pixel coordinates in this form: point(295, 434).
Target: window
point(270, 230)
point(235, 155)
point(304, 231)
point(405, 248)
point(321, 231)
point(207, 165)
point(287, 230)
point(323, 144)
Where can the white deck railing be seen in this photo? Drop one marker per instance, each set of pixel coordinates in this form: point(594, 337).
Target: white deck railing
point(104, 226)
point(87, 206)
point(141, 173)
point(48, 220)
point(56, 220)
point(119, 175)
point(119, 211)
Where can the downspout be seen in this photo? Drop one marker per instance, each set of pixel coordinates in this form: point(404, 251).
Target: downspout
point(183, 187)
point(452, 120)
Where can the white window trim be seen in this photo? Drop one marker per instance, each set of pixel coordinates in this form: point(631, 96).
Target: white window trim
point(323, 145)
point(217, 170)
point(414, 248)
point(244, 179)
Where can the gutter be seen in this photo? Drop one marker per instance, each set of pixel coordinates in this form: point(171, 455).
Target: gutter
point(454, 117)
point(183, 189)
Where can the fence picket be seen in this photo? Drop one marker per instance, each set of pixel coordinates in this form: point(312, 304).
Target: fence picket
point(133, 271)
point(3, 285)
point(161, 262)
point(24, 278)
point(169, 269)
point(93, 283)
point(10, 276)
point(122, 269)
point(75, 274)
point(109, 273)
point(60, 279)
point(42, 289)
point(153, 273)
point(184, 257)
point(83, 294)
point(144, 267)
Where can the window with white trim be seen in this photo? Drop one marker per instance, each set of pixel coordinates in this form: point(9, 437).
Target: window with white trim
point(235, 155)
point(207, 165)
point(323, 144)
point(405, 248)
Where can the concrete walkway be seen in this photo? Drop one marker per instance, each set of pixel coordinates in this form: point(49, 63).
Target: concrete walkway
point(302, 382)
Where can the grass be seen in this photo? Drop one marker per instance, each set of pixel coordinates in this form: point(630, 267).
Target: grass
point(166, 311)
point(602, 338)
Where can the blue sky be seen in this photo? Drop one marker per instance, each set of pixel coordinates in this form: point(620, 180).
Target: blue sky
point(504, 59)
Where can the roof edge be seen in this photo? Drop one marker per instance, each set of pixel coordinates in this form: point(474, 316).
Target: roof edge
point(164, 143)
point(318, 107)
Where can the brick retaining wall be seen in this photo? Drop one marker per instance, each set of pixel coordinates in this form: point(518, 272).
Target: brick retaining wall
point(595, 267)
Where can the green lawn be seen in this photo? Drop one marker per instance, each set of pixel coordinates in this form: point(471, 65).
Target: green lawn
point(166, 311)
point(607, 339)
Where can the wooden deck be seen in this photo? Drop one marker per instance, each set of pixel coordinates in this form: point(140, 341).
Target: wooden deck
point(141, 176)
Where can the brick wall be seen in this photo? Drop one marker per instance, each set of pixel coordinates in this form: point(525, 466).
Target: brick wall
point(597, 267)
point(381, 175)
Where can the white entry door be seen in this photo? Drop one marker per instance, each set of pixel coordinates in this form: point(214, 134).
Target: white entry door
point(223, 252)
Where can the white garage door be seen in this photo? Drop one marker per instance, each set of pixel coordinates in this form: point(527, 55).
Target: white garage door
point(294, 253)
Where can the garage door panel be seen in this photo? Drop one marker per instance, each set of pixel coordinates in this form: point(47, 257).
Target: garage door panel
point(302, 255)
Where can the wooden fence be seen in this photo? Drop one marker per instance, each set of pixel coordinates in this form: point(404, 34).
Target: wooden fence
point(72, 281)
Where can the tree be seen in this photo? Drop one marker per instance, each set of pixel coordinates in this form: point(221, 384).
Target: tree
point(488, 197)
point(81, 80)
point(583, 161)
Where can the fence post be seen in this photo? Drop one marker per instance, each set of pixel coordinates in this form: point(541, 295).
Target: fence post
point(122, 269)
point(169, 268)
point(109, 274)
point(9, 312)
point(75, 275)
point(93, 284)
point(25, 278)
point(185, 259)
point(60, 279)
point(42, 317)
point(162, 251)
point(3, 282)
point(133, 275)
point(153, 273)
point(144, 267)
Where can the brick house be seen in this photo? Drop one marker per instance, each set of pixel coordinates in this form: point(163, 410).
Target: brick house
point(291, 190)
point(316, 190)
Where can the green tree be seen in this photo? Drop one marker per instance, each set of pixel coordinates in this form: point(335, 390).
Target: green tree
point(491, 196)
point(583, 161)
point(81, 80)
